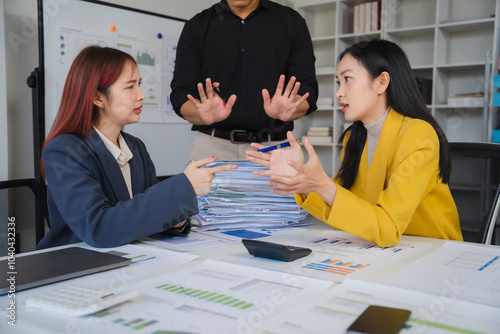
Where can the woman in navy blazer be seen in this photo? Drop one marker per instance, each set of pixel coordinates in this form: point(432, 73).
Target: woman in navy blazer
point(101, 183)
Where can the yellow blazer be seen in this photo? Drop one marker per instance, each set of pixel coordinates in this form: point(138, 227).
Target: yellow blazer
point(399, 193)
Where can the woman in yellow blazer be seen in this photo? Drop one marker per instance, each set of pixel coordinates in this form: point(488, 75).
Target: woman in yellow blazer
point(395, 158)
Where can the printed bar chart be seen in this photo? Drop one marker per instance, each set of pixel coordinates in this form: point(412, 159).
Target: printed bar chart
point(346, 243)
point(210, 296)
point(336, 266)
point(137, 323)
point(474, 261)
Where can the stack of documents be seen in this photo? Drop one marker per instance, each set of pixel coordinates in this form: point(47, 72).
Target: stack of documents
point(240, 199)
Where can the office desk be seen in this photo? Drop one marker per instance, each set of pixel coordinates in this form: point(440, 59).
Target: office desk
point(289, 298)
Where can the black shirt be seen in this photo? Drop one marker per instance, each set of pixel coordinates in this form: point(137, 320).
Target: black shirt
point(245, 56)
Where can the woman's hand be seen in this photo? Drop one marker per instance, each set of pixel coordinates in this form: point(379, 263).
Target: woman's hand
point(280, 158)
point(201, 178)
point(307, 178)
point(277, 159)
point(260, 158)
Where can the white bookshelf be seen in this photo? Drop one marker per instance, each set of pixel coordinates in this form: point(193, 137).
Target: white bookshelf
point(446, 41)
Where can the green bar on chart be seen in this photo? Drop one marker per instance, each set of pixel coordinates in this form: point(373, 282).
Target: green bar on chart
point(198, 295)
point(224, 299)
point(146, 324)
point(193, 292)
point(130, 323)
point(208, 296)
point(216, 297)
point(229, 302)
point(248, 305)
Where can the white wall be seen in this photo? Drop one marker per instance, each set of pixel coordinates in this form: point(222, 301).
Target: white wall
point(19, 56)
point(4, 166)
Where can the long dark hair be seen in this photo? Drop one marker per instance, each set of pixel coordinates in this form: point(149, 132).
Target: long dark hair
point(403, 96)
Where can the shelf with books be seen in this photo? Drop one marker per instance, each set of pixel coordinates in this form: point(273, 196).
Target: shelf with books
point(446, 42)
point(319, 135)
point(450, 82)
point(366, 17)
point(467, 100)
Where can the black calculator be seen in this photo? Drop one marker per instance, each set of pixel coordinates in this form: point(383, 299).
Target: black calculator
point(275, 251)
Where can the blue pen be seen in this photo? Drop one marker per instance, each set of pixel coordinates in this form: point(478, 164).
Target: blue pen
point(275, 147)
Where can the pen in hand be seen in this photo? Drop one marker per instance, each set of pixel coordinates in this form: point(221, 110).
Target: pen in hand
point(217, 91)
point(275, 147)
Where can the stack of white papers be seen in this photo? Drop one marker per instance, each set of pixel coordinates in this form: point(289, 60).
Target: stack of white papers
point(240, 199)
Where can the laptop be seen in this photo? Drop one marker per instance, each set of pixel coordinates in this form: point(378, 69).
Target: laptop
point(36, 269)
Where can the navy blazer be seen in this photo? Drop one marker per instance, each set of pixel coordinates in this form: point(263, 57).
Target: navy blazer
point(88, 199)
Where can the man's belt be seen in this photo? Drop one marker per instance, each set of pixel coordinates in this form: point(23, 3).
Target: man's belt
point(243, 136)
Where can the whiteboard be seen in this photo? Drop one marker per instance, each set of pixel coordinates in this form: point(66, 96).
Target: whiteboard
point(70, 25)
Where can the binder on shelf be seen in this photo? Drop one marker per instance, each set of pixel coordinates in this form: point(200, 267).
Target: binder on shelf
point(496, 99)
point(495, 136)
point(425, 88)
point(355, 11)
point(496, 81)
point(366, 17)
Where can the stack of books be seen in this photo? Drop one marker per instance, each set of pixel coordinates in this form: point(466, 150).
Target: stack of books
point(366, 17)
point(239, 199)
point(319, 135)
point(467, 100)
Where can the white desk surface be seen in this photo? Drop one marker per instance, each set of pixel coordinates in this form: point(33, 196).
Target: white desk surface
point(235, 253)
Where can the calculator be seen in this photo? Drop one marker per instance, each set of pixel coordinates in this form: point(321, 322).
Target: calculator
point(76, 300)
point(275, 251)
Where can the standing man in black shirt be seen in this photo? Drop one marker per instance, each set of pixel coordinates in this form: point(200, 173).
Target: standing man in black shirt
point(244, 72)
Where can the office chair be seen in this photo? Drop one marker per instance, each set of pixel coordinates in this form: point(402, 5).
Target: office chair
point(24, 202)
point(475, 186)
point(489, 228)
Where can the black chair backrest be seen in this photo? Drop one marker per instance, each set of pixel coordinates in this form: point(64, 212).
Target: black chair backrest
point(23, 201)
point(475, 177)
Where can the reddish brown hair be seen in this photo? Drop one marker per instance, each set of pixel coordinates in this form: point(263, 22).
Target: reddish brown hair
point(94, 70)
